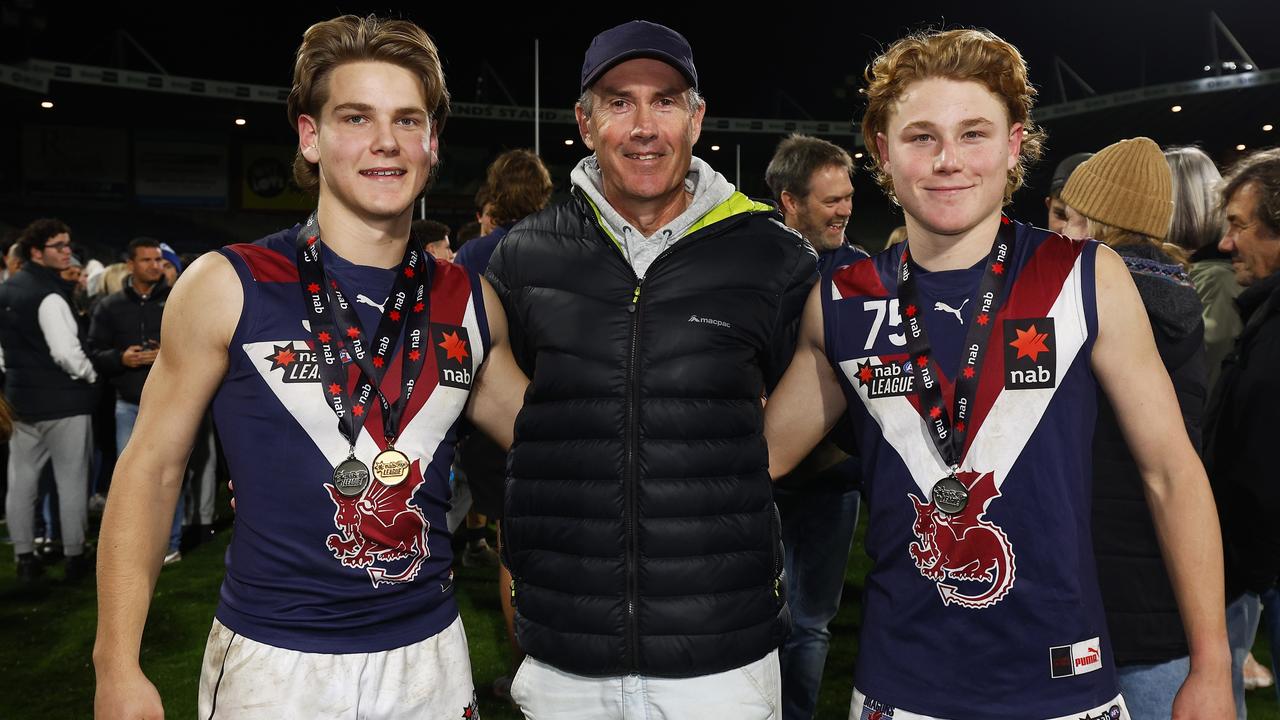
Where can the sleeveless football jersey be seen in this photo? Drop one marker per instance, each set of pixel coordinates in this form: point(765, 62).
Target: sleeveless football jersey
point(309, 569)
point(993, 612)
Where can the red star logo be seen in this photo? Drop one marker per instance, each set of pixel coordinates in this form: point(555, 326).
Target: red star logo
point(922, 361)
point(312, 240)
point(419, 307)
point(323, 336)
point(911, 311)
point(313, 288)
point(455, 348)
point(960, 426)
point(282, 356)
point(997, 268)
point(935, 412)
point(968, 372)
point(334, 388)
point(865, 373)
point(333, 284)
point(378, 362)
point(983, 319)
point(408, 272)
point(1004, 219)
point(353, 332)
point(394, 315)
point(414, 355)
point(357, 410)
point(1030, 343)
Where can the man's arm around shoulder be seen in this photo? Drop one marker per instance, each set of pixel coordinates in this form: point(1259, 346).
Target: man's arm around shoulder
point(199, 321)
point(1128, 366)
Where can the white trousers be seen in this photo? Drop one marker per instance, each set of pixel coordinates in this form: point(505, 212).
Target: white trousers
point(247, 680)
point(863, 709)
point(751, 692)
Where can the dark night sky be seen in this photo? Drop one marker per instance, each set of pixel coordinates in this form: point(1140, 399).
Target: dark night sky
point(801, 62)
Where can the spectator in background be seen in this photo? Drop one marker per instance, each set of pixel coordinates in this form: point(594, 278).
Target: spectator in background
point(12, 254)
point(470, 230)
point(1124, 196)
point(1239, 433)
point(898, 235)
point(517, 184)
point(1059, 212)
point(818, 501)
point(124, 339)
point(49, 382)
point(1197, 227)
point(435, 236)
point(170, 263)
point(482, 209)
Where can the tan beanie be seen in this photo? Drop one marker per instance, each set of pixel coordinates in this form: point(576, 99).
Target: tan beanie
point(1127, 185)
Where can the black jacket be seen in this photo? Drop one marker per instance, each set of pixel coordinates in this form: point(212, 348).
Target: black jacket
point(123, 319)
point(1142, 612)
point(1240, 444)
point(639, 526)
point(34, 384)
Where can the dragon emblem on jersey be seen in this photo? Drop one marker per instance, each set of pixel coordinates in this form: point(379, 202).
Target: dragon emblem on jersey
point(964, 546)
point(381, 530)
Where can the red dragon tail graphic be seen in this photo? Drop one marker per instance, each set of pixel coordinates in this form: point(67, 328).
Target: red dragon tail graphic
point(964, 546)
point(381, 526)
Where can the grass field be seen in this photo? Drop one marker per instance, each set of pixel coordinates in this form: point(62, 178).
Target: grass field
point(46, 638)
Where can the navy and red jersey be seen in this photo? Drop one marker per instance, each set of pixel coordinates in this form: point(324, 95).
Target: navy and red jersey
point(993, 612)
point(309, 569)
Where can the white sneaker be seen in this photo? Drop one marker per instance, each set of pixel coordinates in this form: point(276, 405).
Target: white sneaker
point(173, 557)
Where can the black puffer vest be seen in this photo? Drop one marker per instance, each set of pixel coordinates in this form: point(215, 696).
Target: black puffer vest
point(640, 526)
point(36, 387)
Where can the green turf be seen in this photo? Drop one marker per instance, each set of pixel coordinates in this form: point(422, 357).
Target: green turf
point(46, 637)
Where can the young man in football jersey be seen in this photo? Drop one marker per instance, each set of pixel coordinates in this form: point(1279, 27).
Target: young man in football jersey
point(968, 359)
point(338, 357)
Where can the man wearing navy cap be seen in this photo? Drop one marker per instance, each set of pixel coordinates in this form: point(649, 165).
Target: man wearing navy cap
point(652, 311)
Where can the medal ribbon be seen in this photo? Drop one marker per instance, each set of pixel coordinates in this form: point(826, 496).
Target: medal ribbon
point(949, 436)
point(413, 278)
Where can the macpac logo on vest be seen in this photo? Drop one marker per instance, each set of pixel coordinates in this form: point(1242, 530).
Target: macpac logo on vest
point(453, 356)
point(1030, 354)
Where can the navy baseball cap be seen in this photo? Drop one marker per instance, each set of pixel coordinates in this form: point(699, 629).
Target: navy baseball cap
point(638, 39)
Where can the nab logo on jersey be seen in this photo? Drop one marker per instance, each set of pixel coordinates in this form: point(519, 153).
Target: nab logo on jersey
point(453, 356)
point(298, 364)
point(894, 379)
point(1030, 354)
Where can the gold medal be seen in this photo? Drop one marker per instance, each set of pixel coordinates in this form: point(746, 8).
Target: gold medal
point(391, 467)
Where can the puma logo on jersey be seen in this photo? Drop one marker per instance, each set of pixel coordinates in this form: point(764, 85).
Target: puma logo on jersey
point(954, 311)
point(370, 303)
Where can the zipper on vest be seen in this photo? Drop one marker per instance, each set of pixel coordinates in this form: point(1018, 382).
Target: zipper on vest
point(633, 442)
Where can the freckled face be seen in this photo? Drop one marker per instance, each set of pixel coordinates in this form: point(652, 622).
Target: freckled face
point(949, 147)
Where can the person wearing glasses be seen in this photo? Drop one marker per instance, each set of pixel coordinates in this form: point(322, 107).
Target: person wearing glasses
point(49, 381)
